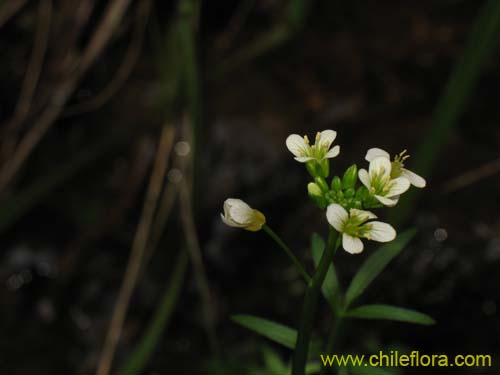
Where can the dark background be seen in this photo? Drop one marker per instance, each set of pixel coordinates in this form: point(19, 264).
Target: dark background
point(372, 70)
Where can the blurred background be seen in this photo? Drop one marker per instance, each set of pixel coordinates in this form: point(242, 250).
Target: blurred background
point(125, 124)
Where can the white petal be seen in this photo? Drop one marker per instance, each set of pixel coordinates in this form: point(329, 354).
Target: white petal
point(352, 245)
point(364, 177)
point(326, 138)
point(381, 232)
point(380, 166)
point(237, 211)
point(303, 159)
point(229, 222)
point(297, 145)
point(362, 214)
point(375, 153)
point(333, 152)
point(389, 202)
point(414, 178)
point(336, 216)
point(398, 186)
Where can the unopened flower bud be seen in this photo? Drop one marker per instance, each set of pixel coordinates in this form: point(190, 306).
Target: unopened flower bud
point(316, 194)
point(349, 193)
point(350, 177)
point(320, 181)
point(336, 183)
point(238, 214)
point(314, 190)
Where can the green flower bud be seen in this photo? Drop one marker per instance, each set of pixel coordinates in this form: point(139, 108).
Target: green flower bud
point(349, 193)
point(350, 177)
point(314, 190)
point(316, 194)
point(320, 181)
point(336, 183)
point(361, 193)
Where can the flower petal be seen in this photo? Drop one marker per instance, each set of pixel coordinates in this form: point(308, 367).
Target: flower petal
point(375, 153)
point(237, 211)
point(398, 186)
point(380, 166)
point(352, 245)
point(297, 145)
point(364, 178)
point(326, 138)
point(380, 232)
point(303, 159)
point(333, 152)
point(228, 221)
point(336, 215)
point(414, 178)
point(389, 202)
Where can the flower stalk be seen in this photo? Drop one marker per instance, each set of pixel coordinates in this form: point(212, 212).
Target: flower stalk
point(311, 304)
point(288, 252)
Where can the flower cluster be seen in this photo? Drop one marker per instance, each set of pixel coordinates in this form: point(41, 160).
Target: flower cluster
point(347, 205)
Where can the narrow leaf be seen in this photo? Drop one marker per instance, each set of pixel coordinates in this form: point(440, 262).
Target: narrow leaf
point(330, 287)
point(390, 313)
point(273, 362)
point(276, 332)
point(376, 264)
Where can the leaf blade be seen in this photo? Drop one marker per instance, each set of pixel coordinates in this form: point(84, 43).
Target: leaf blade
point(389, 312)
point(276, 332)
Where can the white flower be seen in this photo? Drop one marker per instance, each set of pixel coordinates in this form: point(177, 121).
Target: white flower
point(238, 214)
point(304, 152)
point(397, 169)
point(379, 182)
point(353, 225)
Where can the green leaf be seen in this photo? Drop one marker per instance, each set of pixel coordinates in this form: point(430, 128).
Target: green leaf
point(375, 264)
point(330, 287)
point(390, 313)
point(273, 362)
point(276, 332)
point(313, 368)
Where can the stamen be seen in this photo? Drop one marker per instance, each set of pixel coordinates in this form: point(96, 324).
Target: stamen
point(306, 139)
point(318, 136)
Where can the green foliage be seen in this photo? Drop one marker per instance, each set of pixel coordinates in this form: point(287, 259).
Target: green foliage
point(330, 287)
point(273, 363)
point(374, 265)
point(276, 332)
point(390, 313)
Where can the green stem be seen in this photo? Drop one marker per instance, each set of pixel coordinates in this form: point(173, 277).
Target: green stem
point(288, 252)
point(310, 305)
point(332, 338)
